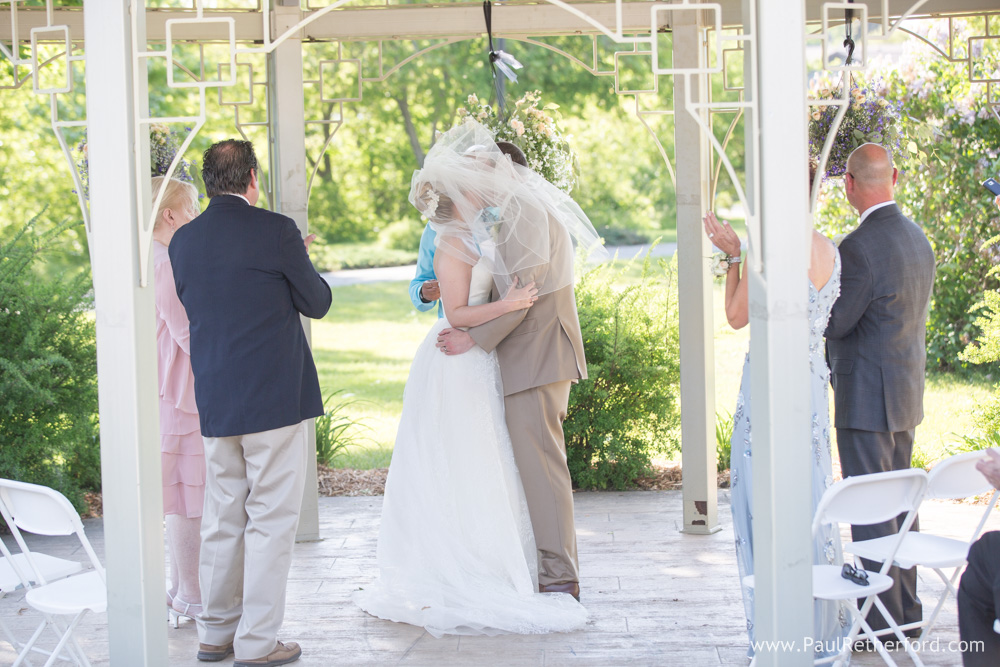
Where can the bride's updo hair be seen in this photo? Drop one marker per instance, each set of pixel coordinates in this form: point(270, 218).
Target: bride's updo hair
point(435, 205)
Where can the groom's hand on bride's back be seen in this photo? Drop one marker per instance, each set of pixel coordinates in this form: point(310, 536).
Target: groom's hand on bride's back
point(454, 341)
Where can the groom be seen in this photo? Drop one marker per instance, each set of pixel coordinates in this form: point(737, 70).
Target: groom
point(540, 351)
point(876, 347)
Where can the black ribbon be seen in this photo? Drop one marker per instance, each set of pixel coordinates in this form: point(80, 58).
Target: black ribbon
point(498, 86)
point(849, 42)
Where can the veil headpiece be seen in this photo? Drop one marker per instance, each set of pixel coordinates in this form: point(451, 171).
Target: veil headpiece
point(488, 209)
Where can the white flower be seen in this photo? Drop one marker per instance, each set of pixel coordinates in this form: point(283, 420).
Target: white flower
point(481, 115)
point(719, 264)
point(817, 114)
point(463, 112)
point(432, 199)
point(518, 127)
point(473, 100)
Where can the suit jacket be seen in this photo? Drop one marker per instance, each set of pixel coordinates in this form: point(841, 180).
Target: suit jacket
point(876, 334)
point(542, 344)
point(244, 276)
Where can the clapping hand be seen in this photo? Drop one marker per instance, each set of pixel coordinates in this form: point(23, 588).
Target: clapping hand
point(721, 234)
point(521, 298)
point(990, 467)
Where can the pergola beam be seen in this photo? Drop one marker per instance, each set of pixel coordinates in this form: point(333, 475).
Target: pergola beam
point(427, 21)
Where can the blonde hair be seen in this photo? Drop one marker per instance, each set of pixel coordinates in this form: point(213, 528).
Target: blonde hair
point(173, 196)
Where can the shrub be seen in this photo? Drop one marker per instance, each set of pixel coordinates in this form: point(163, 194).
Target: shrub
point(402, 235)
point(723, 439)
point(629, 410)
point(48, 371)
point(338, 256)
point(335, 431)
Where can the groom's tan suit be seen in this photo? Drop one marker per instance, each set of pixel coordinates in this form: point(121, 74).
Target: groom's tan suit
point(540, 351)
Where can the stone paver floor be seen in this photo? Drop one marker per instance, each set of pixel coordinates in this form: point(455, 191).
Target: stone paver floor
point(655, 596)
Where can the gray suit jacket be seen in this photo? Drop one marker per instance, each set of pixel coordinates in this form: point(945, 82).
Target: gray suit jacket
point(875, 337)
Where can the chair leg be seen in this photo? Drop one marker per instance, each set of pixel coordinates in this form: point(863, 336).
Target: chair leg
point(870, 634)
point(950, 589)
point(898, 633)
point(65, 638)
point(14, 643)
point(22, 657)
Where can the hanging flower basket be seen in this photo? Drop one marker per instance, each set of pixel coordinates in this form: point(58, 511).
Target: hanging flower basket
point(870, 118)
point(535, 131)
point(163, 146)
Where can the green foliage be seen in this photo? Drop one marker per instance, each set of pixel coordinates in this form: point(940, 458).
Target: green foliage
point(402, 235)
point(628, 411)
point(955, 140)
point(337, 256)
point(48, 371)
point(335, 430)
point(622, 236)
point(723, 439)
point(975, 443)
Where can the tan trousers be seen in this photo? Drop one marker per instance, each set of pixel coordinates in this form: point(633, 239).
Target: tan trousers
point(253, 492)
point(534, 419)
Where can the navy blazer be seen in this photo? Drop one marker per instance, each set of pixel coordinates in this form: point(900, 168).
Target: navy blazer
point(244, 276)
point(875, 338)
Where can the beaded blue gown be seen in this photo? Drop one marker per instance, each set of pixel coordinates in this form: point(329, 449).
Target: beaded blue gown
point(832, 623)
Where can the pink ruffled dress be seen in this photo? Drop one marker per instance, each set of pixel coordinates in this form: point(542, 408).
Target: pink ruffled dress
point(181, 446)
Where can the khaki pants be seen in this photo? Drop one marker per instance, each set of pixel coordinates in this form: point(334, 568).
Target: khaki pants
point(534, 419)
point(253, 493)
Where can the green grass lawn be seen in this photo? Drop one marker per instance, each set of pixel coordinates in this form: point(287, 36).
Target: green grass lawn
point(365, 345)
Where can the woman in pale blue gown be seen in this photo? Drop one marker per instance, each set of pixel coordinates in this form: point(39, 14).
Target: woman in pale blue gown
point(831, 621)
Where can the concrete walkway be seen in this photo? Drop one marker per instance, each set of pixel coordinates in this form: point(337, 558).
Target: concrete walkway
point(400, 273)
point(655, 595)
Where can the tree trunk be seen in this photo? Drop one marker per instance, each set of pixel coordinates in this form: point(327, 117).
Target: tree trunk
point(411, 131)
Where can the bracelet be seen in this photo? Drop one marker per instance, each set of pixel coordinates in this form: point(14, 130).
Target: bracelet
point(733, 260)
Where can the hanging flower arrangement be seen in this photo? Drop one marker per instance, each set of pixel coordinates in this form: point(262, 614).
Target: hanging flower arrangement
point(535, 131)
point(870, 118)
point(163, 146)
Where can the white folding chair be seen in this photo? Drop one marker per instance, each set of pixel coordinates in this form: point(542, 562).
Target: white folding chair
point(953, 478)
point(16, 573)
point(864, 500)
point(43, 511)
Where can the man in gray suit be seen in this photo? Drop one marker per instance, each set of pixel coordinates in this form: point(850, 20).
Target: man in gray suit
point(875, 343)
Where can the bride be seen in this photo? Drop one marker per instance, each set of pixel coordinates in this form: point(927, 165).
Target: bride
point(456, 553)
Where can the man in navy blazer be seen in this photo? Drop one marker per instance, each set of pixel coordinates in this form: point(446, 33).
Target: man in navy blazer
point(876, 346)
point(244, 276)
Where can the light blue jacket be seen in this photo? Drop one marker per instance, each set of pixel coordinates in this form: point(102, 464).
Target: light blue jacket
point(425, 272)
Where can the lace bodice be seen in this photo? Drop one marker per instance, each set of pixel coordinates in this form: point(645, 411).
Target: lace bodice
point(820, 304)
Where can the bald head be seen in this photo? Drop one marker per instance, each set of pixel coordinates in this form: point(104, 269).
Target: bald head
point(870, 176)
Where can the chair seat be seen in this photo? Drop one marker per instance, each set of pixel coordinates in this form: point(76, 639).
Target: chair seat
point(917, 549)
point(829, 585)
point(71, 596)
point(52, 568)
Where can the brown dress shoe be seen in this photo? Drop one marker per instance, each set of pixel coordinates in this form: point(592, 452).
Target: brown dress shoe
point(211, 653)
point(281, 655)
point(572, 587)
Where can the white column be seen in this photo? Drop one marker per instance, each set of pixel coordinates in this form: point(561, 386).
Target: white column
point(694, 286)
point(779, 336)
point(126, 348)
point(290, 182)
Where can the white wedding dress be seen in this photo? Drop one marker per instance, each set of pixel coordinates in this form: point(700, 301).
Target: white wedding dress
point(456, 553)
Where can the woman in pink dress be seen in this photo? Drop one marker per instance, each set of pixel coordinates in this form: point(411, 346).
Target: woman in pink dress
point(181, 447)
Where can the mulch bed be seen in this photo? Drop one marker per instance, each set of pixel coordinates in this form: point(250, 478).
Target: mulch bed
point(349, 482)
